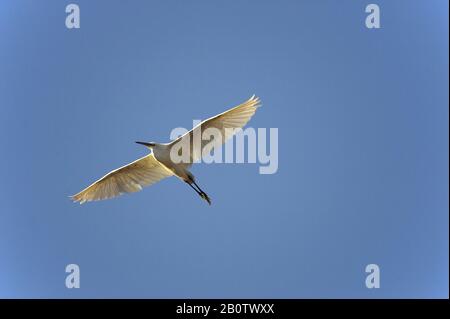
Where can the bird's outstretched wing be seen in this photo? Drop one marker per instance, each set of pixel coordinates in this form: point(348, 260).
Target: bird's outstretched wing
point(126, 179)
point(226, 123)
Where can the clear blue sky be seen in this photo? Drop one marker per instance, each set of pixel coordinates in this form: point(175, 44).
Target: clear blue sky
point(363, 148)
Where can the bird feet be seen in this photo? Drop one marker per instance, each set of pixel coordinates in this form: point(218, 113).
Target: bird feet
point(205, 197)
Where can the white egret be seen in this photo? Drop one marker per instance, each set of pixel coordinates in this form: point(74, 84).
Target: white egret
point(159, 164)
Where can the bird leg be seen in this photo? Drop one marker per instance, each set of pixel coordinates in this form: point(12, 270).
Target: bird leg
point(199, 191)
point(202, 193)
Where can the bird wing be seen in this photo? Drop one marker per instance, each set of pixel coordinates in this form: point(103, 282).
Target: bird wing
point(226, 122)
point(126, 179)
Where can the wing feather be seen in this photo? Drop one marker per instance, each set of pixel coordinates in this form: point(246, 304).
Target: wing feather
point(126, 179)
point(227, 123)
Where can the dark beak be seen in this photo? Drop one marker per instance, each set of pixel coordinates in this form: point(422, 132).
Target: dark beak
point(146, 144)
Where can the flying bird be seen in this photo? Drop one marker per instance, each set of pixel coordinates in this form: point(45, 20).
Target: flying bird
point(159, 164)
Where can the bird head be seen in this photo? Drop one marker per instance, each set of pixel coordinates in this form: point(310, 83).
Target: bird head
point(148, 144)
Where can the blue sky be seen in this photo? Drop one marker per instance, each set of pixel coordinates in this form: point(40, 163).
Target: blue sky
point(363, 148)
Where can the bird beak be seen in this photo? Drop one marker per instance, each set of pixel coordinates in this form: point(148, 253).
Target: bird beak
point(146, 144)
